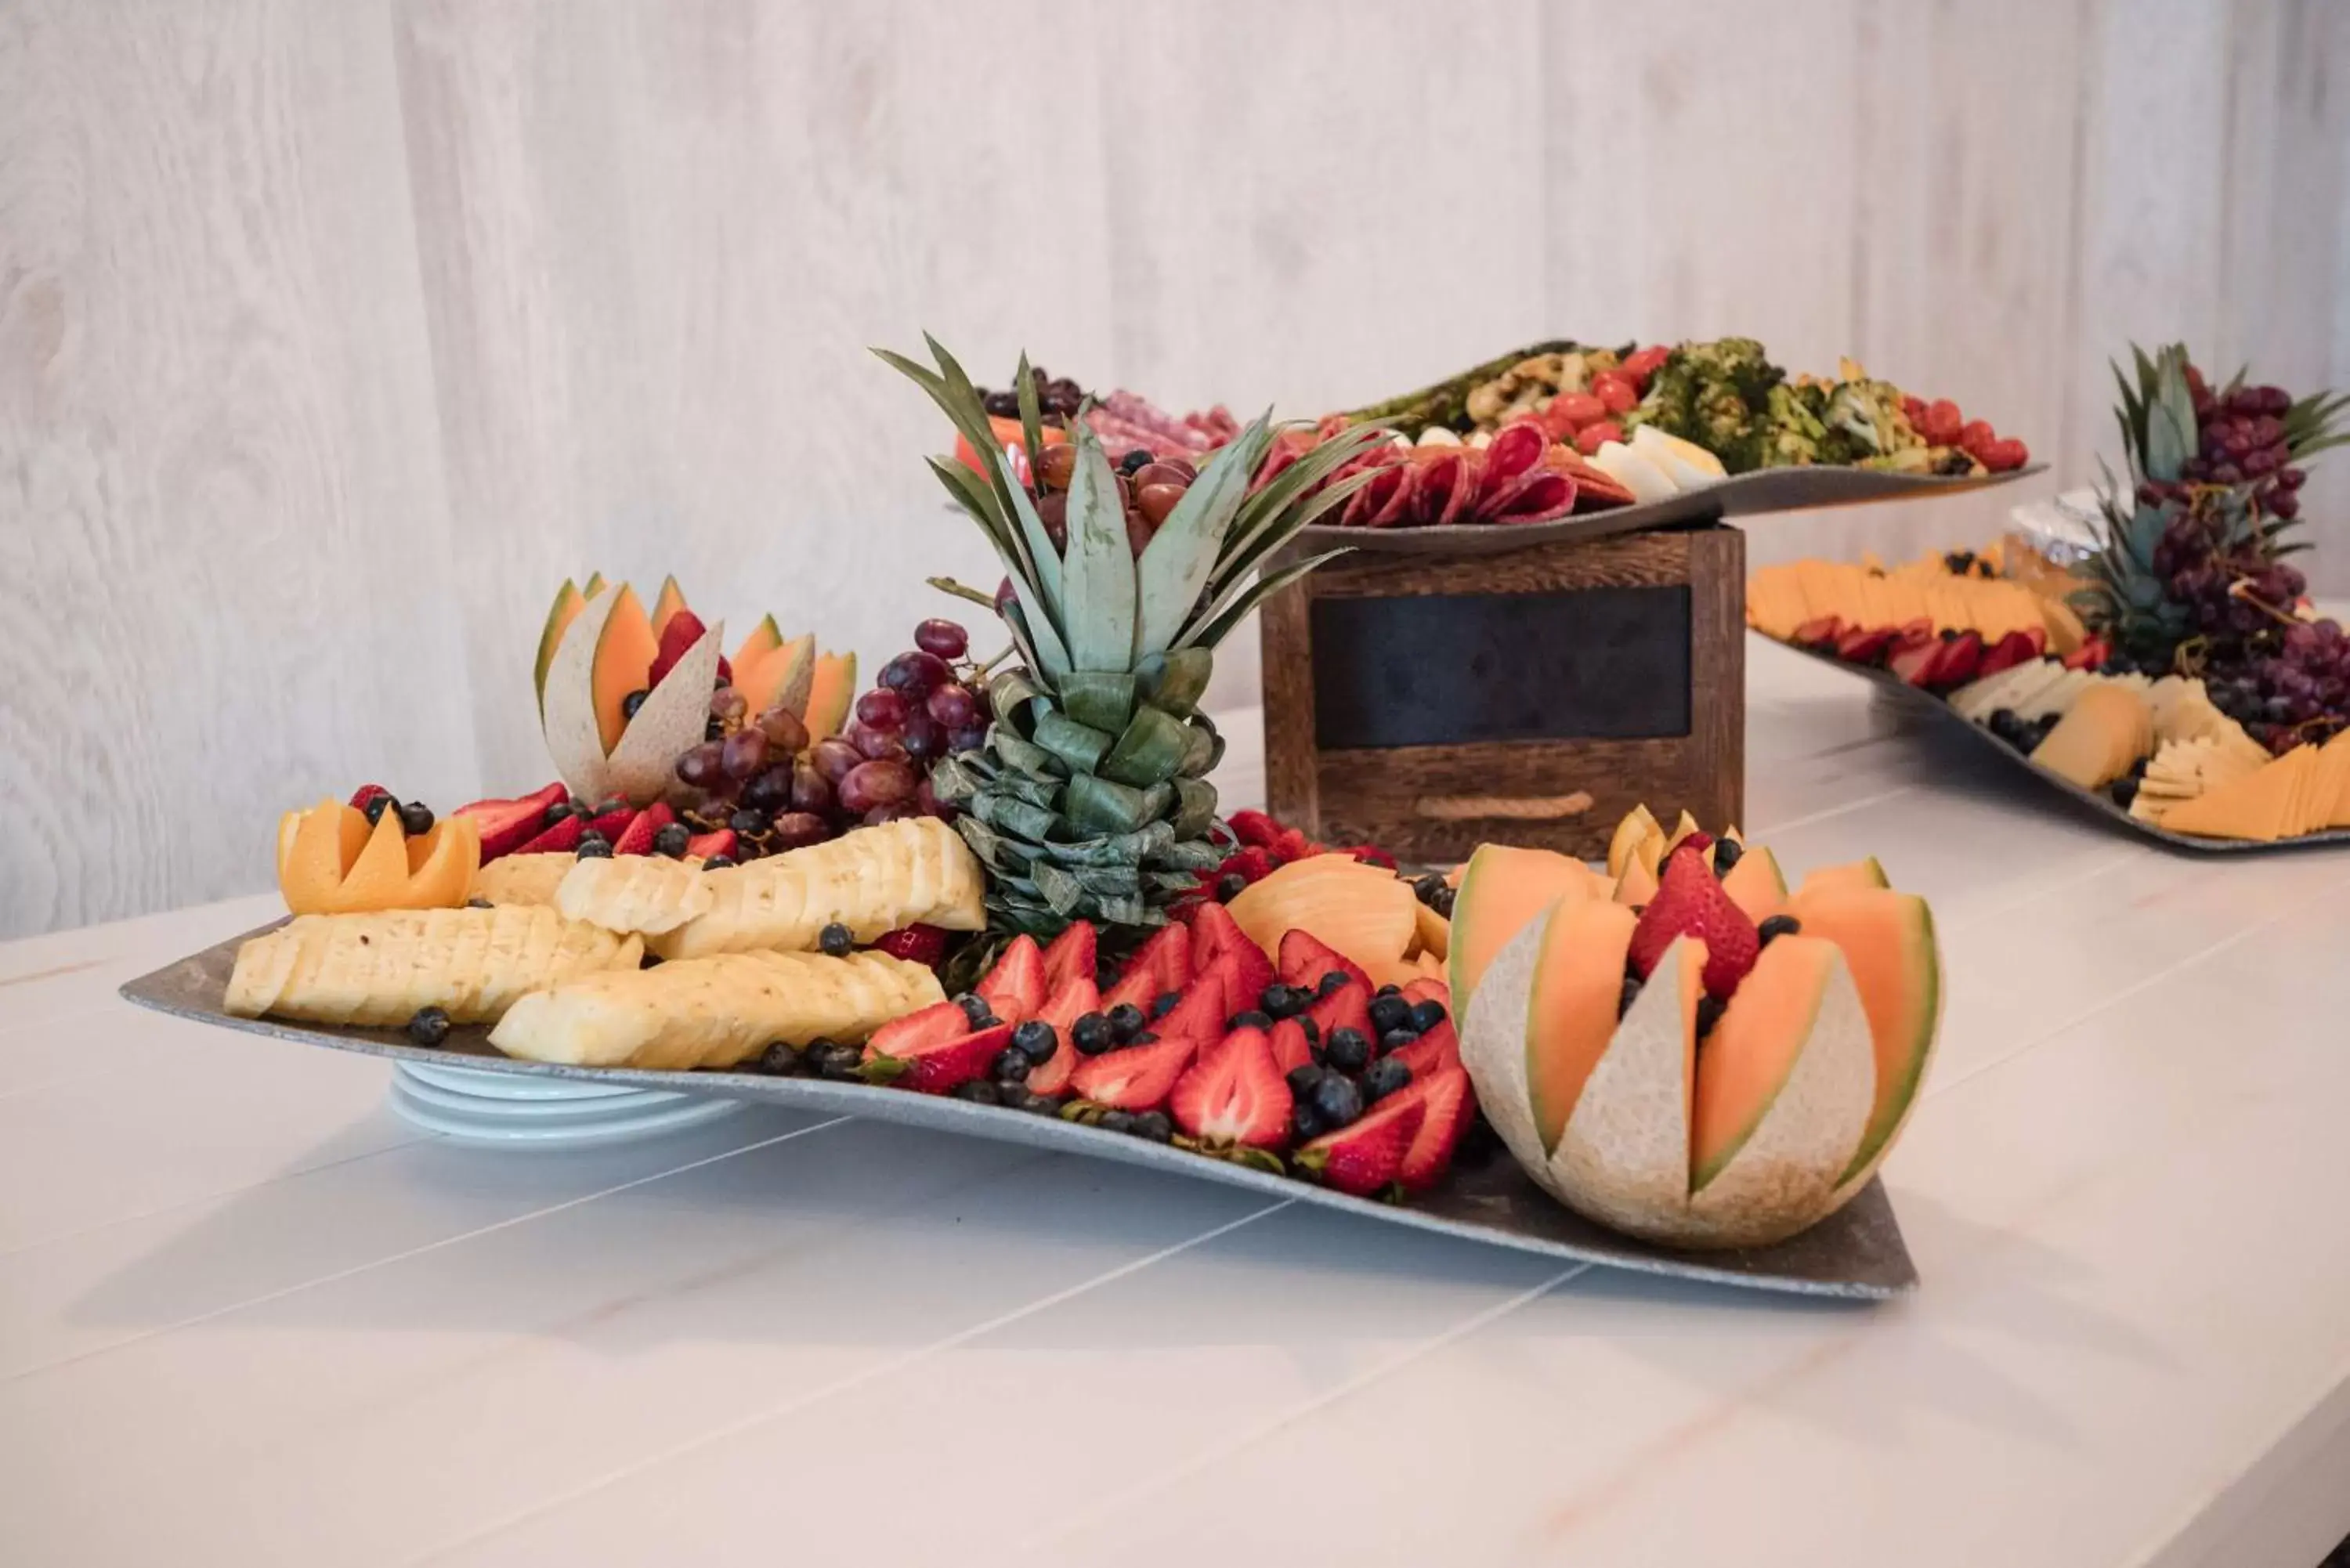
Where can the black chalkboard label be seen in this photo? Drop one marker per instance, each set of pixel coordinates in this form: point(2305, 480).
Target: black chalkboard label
point(1449, 669)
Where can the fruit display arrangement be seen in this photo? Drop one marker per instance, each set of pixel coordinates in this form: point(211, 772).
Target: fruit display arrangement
point(2179, 671)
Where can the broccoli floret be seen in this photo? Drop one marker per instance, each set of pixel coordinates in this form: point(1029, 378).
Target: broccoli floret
point(1796, 432)
point(1866, 416)
point(1716, 395)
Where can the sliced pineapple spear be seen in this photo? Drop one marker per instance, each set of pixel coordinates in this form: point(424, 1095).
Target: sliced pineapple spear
point(1090, 798)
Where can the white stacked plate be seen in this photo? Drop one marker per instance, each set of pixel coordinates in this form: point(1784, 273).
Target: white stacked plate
point(541, 1113)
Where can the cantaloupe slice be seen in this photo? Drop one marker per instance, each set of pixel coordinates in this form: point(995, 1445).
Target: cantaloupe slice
point(1577, 994)
point(764, 639)
point(782, 677)
point(1636, 828)
point(569, 602)
point(1432, 935)
point(833, 688)
point(2256, 806)
point(1623, 1157)
point(1755, 885)
point(1504, 889)
point(1863, 873)
point(625, 650)
point(671, 600)
point(673, 717)
point(1361, 911)
point(1681, 829)
point(1784, 1090)
point(1888, 941)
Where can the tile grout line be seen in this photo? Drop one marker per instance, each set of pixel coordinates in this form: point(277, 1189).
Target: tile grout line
point(1831, 812)
point(743, 1424)
point(1273, 1425)
point(415, 1252)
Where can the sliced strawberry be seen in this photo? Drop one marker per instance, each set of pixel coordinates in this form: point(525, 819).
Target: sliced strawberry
point(636, 838)
point(1914, 661)
point(705, 845)
point(1690, 902)
point(939, 1066)
point(1199, 1014)
point(1958, 663)
point(933, 1026)
point(1450, 1105)
point(1291, 1049)
point(1429, 988)
point(1349, 1007)
point(2092, 653)
point(683, 631)
point(1233, 1093)
point(1435, 1050)
point(1137, 1078)
point(1821, 632)
point(915, 944)
point(507, 824)
point(561, 840)
point(613, 824)
point(1014, 989)
point(1857, 646)
point(1364, 1157)
point(1218, 943)
point(1161, 964)
point(1074, 953)
point(1070, 1001)
point(1305, 960)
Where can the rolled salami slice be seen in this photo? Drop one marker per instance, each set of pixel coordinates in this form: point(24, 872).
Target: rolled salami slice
point(1440, 474)
point(1536, 497)
point(1517, 448)
point(1366, 502)
point(1461, 505)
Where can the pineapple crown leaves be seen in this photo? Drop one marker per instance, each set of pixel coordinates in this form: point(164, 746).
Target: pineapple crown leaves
point(2157, 413)
point(1094, 606)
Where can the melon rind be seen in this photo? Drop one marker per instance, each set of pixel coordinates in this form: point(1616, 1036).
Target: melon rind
point(1624, 1158)
point(1493, 1048)
point(568, 708)
point(673, 717)
point(1490, 891)
point(1787, 1174)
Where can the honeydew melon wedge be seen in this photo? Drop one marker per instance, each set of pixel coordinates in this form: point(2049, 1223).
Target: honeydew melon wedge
point(1501, 892)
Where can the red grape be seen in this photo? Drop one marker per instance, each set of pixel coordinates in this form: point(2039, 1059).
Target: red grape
point(881, 709)
point(872, 743)
point(916, 674)
point(810, 790)
point(743, 754)
point(785, 730)
point(700, 766)
point(943, 637)
point(952, 706)
point(873, 784)
point(771, 789)
point(798, 829)
point(834, 757)
point(967, 740)
point(923, 737)
point(927, 802)
point(727, 703)
point(881, 814)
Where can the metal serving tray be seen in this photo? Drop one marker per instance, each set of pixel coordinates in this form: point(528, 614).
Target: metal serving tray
point(1857, 1253)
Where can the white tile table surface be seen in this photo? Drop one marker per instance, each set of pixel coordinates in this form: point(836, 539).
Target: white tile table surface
point(248, 1317)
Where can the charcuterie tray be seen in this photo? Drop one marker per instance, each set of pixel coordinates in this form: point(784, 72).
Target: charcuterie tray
point(1905, 695)
point(1856, 1254)
point(1742, 495)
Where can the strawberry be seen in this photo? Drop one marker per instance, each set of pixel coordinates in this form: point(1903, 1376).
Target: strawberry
point(1233, 1093)
point(1372, 854)
point(1014, 989)
point(706, 846)
point(915, 944)
point(1291, 1049)
point(1859, 647)
point(1254, 827)
point(1137, 1078)
point(1436, 1050)
point(1163, 963)
point(1366, 1155)
point(636, 838)
point(933, 1025)
point(726, 671)
point(1429, 988)
point(2092, 654)
point(1821, 632)
point(613, 824)
point(937, 1067)
point(506, 825)
point(1074, 953)
point(1295, 846)
point(1349, 1007)
point(365, 796)
point(1305, 960)
point(1070, 1001)
point(1960, 661)
point(1450, 1106)
point(1199, 1015)
point(561, 840)
point(1218, 943)
point(1914, 661)
point(1251, 864)
point(683, 630)
point(1690, 902)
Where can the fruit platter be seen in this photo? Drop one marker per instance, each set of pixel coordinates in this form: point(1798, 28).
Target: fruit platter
point(2174, 678)
point(1001, 898)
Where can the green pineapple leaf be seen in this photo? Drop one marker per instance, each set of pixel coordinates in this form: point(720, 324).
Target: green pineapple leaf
point(1031, 418)
point(1097, 574)
point(1180, 558)
point(1228, 612)
point(1264, 512)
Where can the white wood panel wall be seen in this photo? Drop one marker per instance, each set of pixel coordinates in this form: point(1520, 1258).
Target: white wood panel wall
point(333, 333)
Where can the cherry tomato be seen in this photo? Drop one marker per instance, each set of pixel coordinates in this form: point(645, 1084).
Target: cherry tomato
point(1590, 438)
point(1617, 392)
point(2003, 456)
point(1578, 409)
point(1971, 437)
point(1941, 423)
point(1913, 408)
point(1638, 366)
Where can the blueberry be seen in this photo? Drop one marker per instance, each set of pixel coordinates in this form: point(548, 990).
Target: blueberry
point(1396, 1039)
point(837, 940)
point(1335, 1100)
point(974, 1008)
point(1443, 904)
point(1251, 1019)
point(1154, 1126)
point(750, 822)
point(1280, 1000)
point(1230, 885)
point(780, 1061)
point(1390, 1011)
point(1037, 1104)
point(1303, 1124)
point(558, 812)
point(1011, 1065)
point(1134, 463)
point(594, 847)
point(1631, 994)
point(1164, 1003)
point(978, 1091)
point(1313, 1030)
point(479, 904)
point(1148, 1037)
point(1334, 981)
point(1726, 852)
point(1036, 1040)
point(633, 701)
point(1091, 1034)
point(376, 806)
point(1778, 926)
point(671, 841)
point(1385, 1078)
point(1347, 1051)
point(1387, 990)
point(2123, 791)
point(429, 1027)
point(610, 803)
point(1426, 1015)
point(841, 1064)
point(1303, 1078)
point(1428, 889)
point(1117, 1121)
point(1126, 1022)
point(718, 863)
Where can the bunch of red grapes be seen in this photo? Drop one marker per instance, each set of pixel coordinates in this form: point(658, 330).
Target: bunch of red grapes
point(2240, 439)
point(762, 777)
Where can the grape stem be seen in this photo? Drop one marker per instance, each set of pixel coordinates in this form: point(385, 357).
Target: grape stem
point(961, 591)
point(982, 673)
